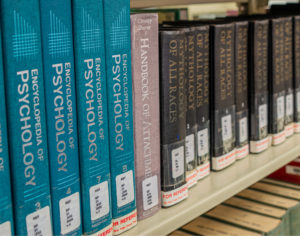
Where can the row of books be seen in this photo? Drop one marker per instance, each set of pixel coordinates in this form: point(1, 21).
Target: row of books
point(228, 87)
point(106, 125)
point(68, 139)
point(269, 207)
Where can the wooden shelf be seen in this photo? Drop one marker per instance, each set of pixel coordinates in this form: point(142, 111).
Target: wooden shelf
point(157, 3)
point(218, 187)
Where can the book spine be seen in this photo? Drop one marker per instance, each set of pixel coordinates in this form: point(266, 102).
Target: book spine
point(276, 77)
point(191, 124)
point(6, 215)
point(241, 83)
point(26, 116)
point(288, 74)
point(202, 95)
point(296, 61)
point(59, 77)
point(173, 111)
point(258, 76)
point(145, 79)
point(91, 87)
point(119, 85)
point(222, 95)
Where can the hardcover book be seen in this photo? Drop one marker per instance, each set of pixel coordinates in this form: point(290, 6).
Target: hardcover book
point(296, 69)
point(191, 119)
point(258, 84)
point(288, 75)
point(247, 220)
point(285, 192)
point(59, 77)
point(241, 88)
point(91, 83)
point(145, 80)
point(24, 88)
point(120, 108)
point(262, 209)
point(202, 100)
point(191, 125)
point(222, 96)
point(6, 214)
point(172, 116)
point(292, 206)
point(276, 81)
point(207, 227)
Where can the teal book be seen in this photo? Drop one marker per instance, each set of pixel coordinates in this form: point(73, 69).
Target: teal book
point(6, 216)
point(119, 90)
point(93, 136)
point(24, 86)
point(59, 77)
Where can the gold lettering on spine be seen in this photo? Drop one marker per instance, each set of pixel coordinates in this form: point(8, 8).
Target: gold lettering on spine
point(191, 73)
point(226, 80)
point(173, 75)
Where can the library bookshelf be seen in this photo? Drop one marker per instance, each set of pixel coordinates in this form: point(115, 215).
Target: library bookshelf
point(218, 187)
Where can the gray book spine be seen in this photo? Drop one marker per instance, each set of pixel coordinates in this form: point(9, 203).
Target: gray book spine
point(145, 79)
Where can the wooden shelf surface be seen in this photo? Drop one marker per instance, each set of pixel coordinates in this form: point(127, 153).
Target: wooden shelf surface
point(218, 187)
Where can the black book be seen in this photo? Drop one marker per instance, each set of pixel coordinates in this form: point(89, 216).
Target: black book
point(258, 84)
point(241, 88)
point(222, 95)
point(296, 51)
point(277, 81)
point(288, 75)
point(173, 116)
point(202, 99)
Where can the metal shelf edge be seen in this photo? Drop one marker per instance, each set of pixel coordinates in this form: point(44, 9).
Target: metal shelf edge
point(218, 187)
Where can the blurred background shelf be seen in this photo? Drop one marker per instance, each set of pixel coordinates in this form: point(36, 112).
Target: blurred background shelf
point(218, 187)
point(157, 3)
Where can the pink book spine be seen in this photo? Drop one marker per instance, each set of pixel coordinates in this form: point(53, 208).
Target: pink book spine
point(145, 79)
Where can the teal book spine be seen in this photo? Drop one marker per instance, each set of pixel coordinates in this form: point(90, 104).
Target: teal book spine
point(59, 77)
point(119, 90)
point(6, 216)
point(24, 85)
point(93, 136)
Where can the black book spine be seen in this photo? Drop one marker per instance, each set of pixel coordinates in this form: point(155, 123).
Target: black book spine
point(222, 90)
point(191, 127)
point(258, 79)
point(296, 51)
point(173, 107)
point(276, 77)
point(288, 70)
point(241, 83)
point(202, 94)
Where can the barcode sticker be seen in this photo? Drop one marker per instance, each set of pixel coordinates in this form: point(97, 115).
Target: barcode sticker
point(38, 223)
point(190, 148)
point(177, 162)
point(263, 115)
point(99, 200)
point(280, 107)
point(289, 105)
point(226, 128)
point(125, 188)
point(243, 129)
point(69, 209)
point(203, 142)
point(298, 101)
point(5, 228)
point(150, 193)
